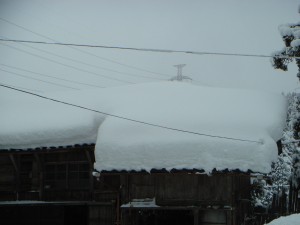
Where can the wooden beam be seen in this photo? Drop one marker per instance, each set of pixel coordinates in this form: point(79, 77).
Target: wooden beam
point(196, 216)
point(91, 178)
point(88, 156)
point(41, 176)
point(37, 158)
point(12, 158)
point(17, 175)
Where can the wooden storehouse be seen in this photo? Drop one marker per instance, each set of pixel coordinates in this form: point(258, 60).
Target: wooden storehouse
point(51, 186)
point(56, 186)
point(156, 147)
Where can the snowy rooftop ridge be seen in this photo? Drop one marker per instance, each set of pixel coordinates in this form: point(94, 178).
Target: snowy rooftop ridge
point(125, 145)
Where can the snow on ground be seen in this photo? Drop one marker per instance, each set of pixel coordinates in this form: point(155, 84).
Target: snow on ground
point(287, 220)
point(256, 118)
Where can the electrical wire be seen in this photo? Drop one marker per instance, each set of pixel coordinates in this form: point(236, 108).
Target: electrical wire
point(91, 65)
point(32, 78)
point(66, 65)
point(54, 77)
point(82, 51)
point(25, 88)
point(200, 82)
point(24, 28)
point(129, 119)
point(123, 64)
point(147, 49)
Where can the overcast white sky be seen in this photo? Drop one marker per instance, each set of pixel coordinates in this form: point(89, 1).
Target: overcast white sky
point(231, 26)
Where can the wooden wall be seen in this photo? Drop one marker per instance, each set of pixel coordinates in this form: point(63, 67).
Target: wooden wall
point(216, 199)
point(186, 189)
point(66, 175)
point(7, 178)
point(50, 174)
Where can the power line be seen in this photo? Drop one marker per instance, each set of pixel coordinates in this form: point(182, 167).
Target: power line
point(123, 64)
point(66, 65)
point(131, 120)
point(82, 51)
point(32, 78)
point(91, 65)
point(25, 88)
point(146, 49)
point(24, 28)
point(54, 77)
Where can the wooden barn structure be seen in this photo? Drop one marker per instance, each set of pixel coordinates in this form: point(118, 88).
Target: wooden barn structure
point(135, 128)
point(58, 185)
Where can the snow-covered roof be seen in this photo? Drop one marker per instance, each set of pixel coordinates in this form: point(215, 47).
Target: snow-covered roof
point(230, 129)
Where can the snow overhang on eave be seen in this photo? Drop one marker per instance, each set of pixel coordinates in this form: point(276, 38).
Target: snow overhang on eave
point(74, 147)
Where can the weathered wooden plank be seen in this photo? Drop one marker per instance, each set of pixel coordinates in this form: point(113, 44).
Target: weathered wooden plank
point(16, 167)
point(91, 167)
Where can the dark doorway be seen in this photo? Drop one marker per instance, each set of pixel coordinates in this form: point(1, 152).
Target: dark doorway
point(76, 215)
point(174, 217)
point(160, 217)
point(31, 214)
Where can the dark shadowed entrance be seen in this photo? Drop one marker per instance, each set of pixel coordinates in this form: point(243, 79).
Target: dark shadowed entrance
point(76, 215)
point(43, 214)
point(157, 217)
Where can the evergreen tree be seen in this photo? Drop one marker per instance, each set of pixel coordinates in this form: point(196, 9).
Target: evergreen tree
point(286, 170)
point(293, 143)
point(291, 36)
point(287, 166)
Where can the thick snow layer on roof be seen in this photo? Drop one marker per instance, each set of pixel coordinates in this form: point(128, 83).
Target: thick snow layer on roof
point(240, 114)
point(30, 122)
point(286, 220)
point(256, 118)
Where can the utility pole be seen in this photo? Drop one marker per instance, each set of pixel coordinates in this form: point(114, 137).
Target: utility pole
point(179, 76)
point(179, 71)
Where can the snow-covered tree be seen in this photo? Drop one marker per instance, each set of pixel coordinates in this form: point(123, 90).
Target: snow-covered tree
point(286, 170)
point(291, 36)
point(287, 166)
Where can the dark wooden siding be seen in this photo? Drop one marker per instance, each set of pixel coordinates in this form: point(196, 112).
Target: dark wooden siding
point(220, 198)
point(194, 189)
point(186, 189)
point(7, 176)
point(51, 174)
point(66, 175)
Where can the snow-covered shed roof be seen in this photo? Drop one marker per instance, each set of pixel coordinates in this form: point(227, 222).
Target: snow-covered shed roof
point(216, 128)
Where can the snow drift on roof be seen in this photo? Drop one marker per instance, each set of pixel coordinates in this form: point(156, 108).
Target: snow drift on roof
point(256, 118)
point(31, 122)
point(247, 115)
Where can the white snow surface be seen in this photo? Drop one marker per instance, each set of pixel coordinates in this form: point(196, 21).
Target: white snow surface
point(286, 220)
point(141, 203)
point(257, 118)
point(295, 43)
point(285, 30)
